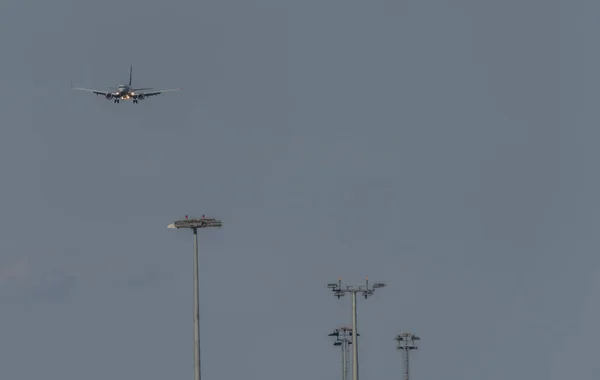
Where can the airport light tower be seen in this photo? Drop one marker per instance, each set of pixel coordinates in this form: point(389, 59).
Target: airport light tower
point(194, 224)
point(339, 292)
point(406, 343)
point(343, 337)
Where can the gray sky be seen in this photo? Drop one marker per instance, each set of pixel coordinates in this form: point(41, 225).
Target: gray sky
point(447, 148)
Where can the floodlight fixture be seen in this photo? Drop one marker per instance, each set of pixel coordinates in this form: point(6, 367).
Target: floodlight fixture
point(194, 223)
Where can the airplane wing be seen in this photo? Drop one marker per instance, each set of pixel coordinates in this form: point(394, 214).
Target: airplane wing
point(154, 93)
point(97, 92)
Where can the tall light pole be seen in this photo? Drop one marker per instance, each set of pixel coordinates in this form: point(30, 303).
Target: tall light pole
point(340, 291)
point(343, 339)
point(406, 343)
point(194, 224)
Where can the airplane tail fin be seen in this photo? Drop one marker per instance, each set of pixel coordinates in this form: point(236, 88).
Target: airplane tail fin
point(130, 74)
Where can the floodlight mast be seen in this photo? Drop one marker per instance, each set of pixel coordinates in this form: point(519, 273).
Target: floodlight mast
point(194, 224)
point(339, 292)
point(343, 339)
point(406, 342)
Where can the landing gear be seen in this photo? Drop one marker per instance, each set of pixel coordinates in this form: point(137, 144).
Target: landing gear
point(116, 101)
point(135, 101)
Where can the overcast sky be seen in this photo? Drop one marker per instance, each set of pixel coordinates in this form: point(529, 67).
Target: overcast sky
point(445, 147)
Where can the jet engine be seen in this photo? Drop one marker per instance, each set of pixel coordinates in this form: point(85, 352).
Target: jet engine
point(140, 97)
point(108, 96)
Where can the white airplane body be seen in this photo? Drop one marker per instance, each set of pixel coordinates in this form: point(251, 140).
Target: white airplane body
point(126, 91)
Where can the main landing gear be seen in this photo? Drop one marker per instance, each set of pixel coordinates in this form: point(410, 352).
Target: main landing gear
point(117, 100)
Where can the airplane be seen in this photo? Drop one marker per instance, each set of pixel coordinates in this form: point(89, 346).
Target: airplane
point(126, 91)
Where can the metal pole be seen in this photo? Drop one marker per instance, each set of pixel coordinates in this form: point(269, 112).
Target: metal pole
point(196, 311)
point(344, 359)
point(405, 364)
point(354, 339)
point(339, 291)
point(406, 342)
point(194, 224)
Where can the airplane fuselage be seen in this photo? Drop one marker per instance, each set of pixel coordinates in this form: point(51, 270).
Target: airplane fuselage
point(123, 90)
